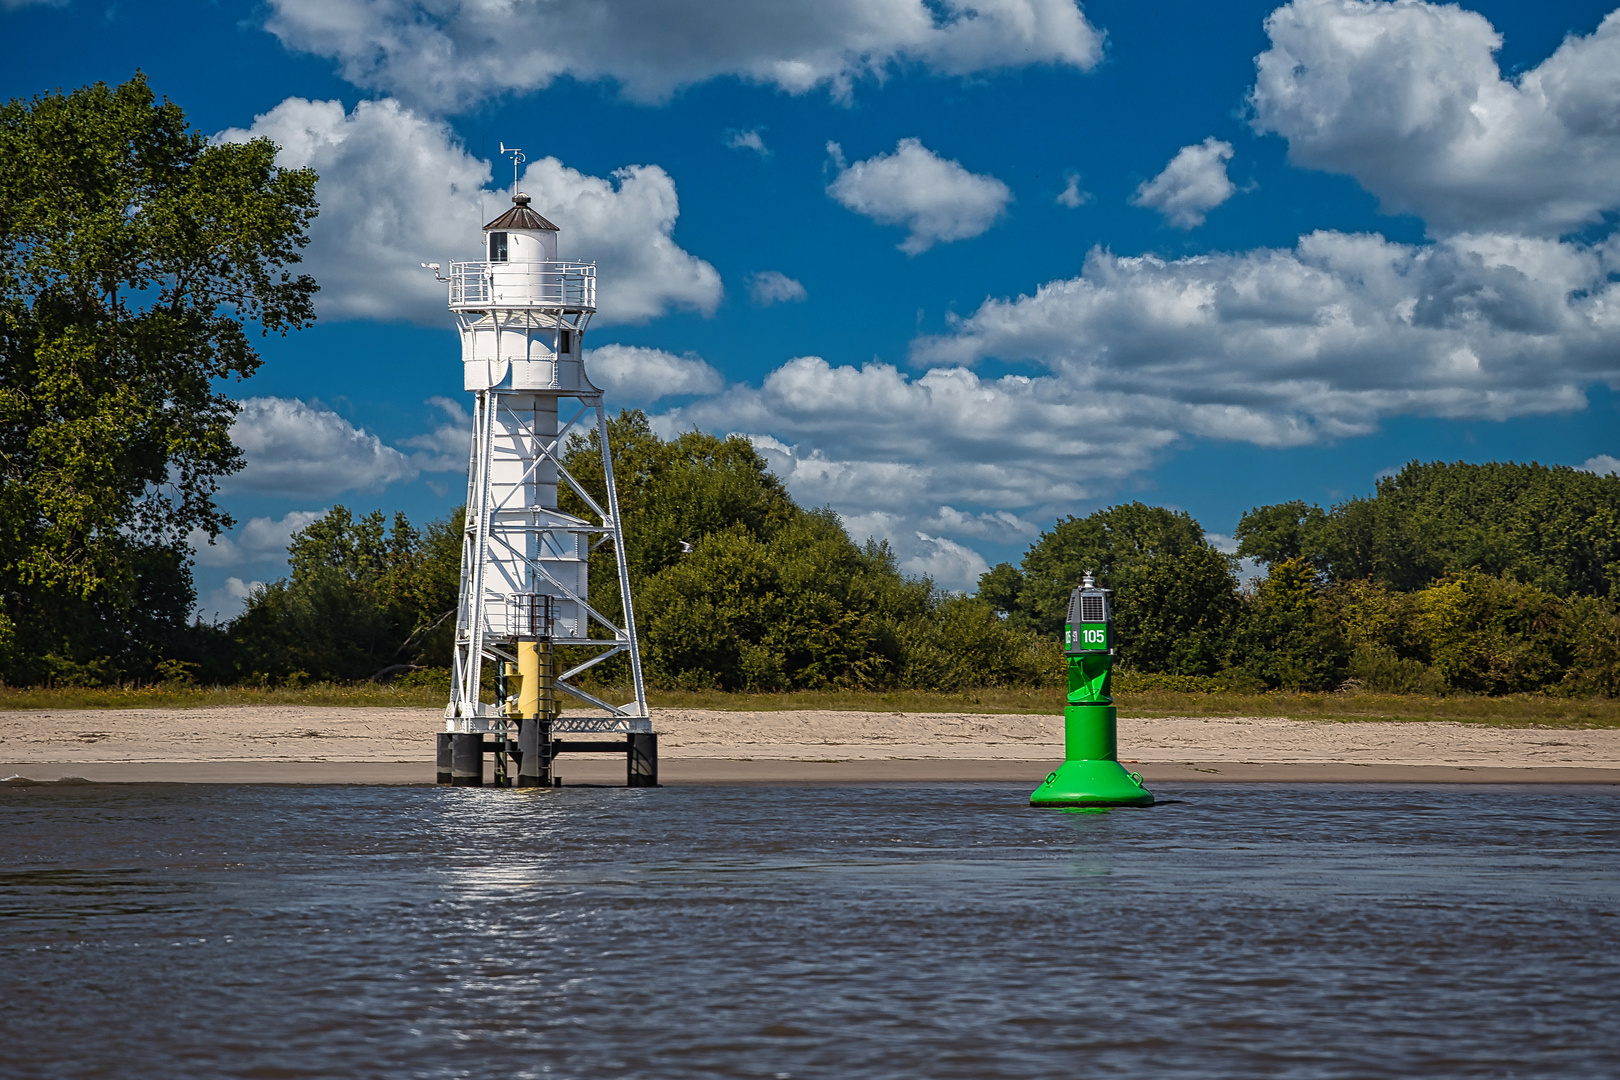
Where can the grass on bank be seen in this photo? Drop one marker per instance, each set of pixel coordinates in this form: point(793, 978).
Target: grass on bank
point(203, 697)
point(1520, 710)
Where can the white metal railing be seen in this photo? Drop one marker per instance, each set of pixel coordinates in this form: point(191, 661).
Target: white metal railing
point(570, 286)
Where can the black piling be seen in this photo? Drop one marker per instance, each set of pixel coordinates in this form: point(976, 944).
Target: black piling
point(467, 760)
point(461, 756)
point(642, 759)
point(534, 752)
point(443, 770)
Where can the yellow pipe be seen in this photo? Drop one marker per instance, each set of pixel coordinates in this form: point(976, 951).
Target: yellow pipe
point(529, 678)
point(509, 707)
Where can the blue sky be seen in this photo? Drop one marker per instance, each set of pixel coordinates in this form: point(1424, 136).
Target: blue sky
point(957, 270)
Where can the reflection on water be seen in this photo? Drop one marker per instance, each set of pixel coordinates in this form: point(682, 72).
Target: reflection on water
point(929, 931)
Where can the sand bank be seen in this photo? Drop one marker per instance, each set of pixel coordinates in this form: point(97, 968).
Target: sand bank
point(289, 744)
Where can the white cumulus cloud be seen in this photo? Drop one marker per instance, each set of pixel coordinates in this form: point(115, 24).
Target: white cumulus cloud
point(637, 375)
point(873, 440)
point(226, 602)
point(1408, 98)
point(774, 287)
point(950, 564)
point(625, 225)
point(938, 200)
point(1602, 464)
point(262, 539)
point(449, 54)
point(293, 448)
point(998, 525)
point(449, 445)
point(1193, 184)
point(397, 189)
point(1282, 347)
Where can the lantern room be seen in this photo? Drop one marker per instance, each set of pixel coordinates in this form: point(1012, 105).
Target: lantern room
point(520, 235)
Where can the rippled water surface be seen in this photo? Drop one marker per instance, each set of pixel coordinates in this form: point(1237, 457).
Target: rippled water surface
point(929, 931)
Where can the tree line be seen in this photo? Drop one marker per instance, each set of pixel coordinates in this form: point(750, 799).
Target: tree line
point(774, 596)
point(1493, 578)
point(1449, 577)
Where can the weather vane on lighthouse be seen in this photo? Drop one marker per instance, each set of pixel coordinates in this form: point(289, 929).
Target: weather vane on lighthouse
point(524, 605)
point(518, 158)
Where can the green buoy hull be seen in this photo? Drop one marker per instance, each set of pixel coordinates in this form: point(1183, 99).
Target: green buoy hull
point(1092, 783)
point(1091, 774)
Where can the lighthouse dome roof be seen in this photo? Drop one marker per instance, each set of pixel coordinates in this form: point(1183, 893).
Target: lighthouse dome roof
point(519, 217)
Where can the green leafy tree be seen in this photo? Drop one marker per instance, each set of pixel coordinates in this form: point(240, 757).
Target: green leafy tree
point(963, 644)
point(1550, 526)
point(773, 596)
point(1285, 638)
point(1175, 596)
point(1181, 612)
point(1280, 531)
point(1380, 628)
point(364, 598)
point(806, 609)
point(1492, 635)
point(672, 494)
point(1000, 587)
point(707, 622)
point(1591, 625)
point(134, 257)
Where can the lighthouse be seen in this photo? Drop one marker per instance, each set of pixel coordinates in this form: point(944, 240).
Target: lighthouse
point(524, 613)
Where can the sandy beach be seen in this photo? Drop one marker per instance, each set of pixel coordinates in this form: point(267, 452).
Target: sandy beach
point(280, 744)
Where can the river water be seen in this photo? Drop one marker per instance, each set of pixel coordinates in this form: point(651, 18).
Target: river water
point(159, 930)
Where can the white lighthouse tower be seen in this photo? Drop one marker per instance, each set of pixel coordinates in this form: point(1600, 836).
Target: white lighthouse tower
point(524, 605)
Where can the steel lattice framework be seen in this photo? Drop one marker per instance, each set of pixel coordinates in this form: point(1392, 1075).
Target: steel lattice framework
point(524, 560)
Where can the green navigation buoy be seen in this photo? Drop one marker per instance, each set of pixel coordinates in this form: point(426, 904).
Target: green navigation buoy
point(1091, 774)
